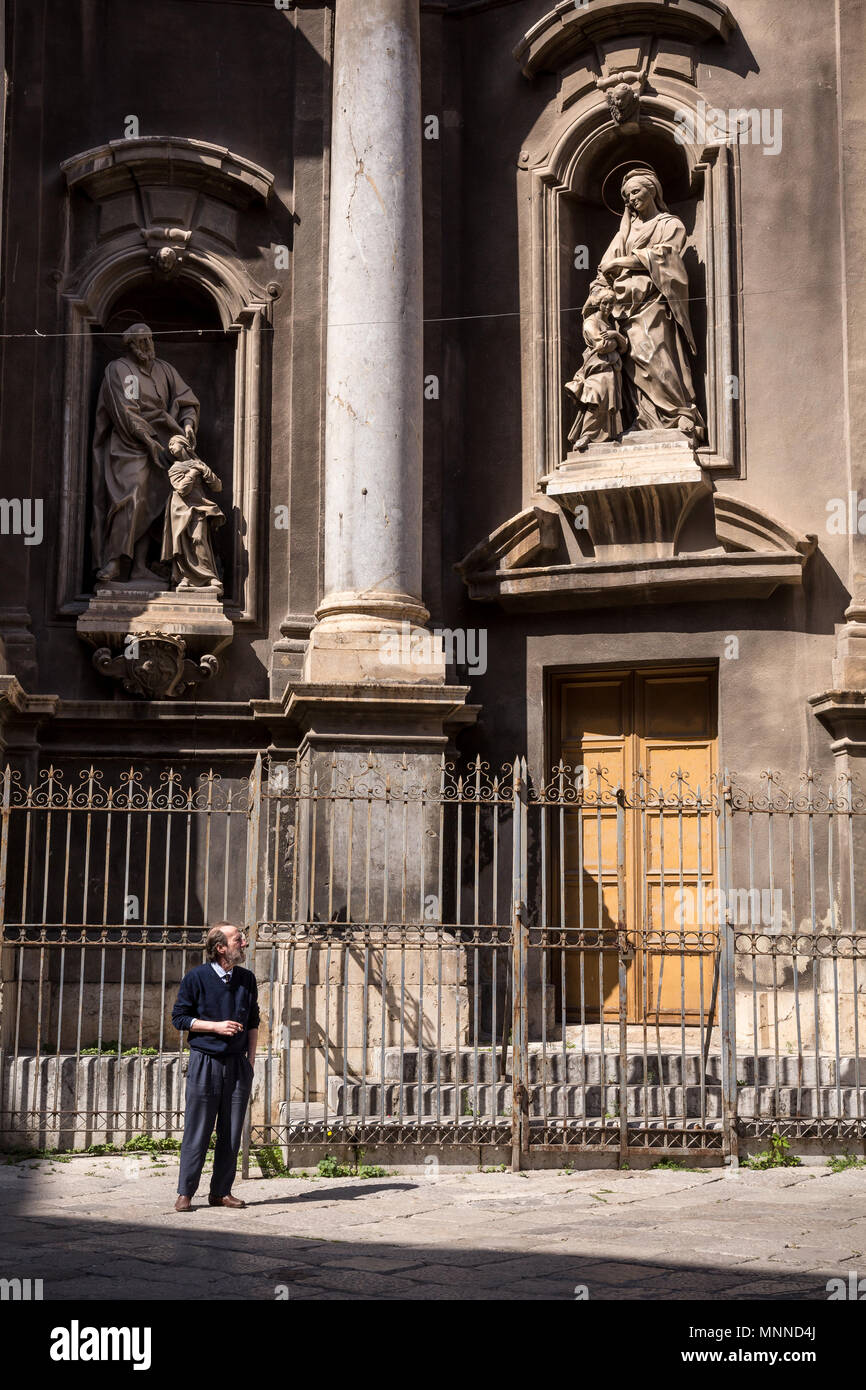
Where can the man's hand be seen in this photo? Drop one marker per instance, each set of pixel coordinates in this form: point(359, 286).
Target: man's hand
point(190, 436)
point(225, 1027)
point(228, 1027)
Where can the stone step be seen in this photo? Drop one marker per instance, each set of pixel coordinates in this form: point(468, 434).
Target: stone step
point(486, 1100)
point(573, 1066)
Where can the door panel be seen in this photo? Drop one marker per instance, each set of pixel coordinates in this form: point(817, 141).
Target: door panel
point(653, 733)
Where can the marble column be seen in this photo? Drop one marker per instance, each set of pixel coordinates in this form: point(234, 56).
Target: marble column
point(373, 431)
point(843, 708)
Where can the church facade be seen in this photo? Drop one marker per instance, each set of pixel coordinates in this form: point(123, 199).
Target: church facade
point(439, 426)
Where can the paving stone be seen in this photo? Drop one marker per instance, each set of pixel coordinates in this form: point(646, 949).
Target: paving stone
point(642, 1236)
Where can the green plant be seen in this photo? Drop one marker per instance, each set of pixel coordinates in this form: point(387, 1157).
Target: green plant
point(145, 1143)
point(840, 1162)
point(270, 1160)
point(500, 1169)
point(776, 1156)
point(331, 1167)
point(370, 1170)
point(671, 1164)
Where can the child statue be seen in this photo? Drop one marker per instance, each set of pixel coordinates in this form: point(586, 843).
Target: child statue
point(597, 387)
point(186, 540)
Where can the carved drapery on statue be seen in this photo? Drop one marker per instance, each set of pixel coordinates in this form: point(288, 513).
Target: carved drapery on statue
point(143, 401)
point(644, 273)
point(186, 542)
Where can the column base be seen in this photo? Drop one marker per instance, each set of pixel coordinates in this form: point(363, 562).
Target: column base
point(395, 717)
point(373, 638)
point(849, 665)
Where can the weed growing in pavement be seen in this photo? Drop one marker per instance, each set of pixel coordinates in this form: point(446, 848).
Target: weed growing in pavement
point(776, 1156)
point(330, 1167)
point(839, 1163)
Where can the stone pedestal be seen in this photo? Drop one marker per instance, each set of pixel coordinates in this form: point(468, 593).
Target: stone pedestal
point(633, 498)
point(157, 643)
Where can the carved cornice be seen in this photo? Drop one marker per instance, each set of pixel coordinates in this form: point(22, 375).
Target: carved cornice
point(742, 527)
point(167, 161)
point(525, 539)
point(755, 555)
point(560, 36)
point(843, 715)
point(19, 706)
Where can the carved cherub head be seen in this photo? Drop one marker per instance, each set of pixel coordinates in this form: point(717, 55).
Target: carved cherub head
point(166, 260)
point(623, 102)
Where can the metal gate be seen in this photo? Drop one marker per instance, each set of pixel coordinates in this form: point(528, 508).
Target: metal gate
point(444, 956)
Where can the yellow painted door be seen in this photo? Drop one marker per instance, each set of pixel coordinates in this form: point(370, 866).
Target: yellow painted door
point(652, 732)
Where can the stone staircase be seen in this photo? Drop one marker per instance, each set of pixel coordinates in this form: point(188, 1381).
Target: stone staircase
point(464, 1085)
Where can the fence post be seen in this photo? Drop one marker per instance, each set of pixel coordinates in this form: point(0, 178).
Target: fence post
point(254, 807)
point(519, 1092)
point(622, 961)
point(728, 1017)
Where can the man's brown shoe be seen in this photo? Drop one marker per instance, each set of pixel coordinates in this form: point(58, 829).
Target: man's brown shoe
point(183, 1203)
point(228, 1201)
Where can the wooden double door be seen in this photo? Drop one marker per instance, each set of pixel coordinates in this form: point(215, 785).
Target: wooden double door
point(653, 731)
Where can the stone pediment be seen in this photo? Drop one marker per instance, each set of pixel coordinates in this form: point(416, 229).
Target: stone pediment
point(717, 547)
point(167, 161)
point(562, 34)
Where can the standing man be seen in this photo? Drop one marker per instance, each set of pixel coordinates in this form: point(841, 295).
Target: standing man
point(217, 1004)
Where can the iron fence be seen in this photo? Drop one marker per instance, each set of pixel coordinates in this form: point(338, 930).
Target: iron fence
point(443, 956)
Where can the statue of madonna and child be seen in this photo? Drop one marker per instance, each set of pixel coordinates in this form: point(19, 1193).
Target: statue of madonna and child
point(636, 371)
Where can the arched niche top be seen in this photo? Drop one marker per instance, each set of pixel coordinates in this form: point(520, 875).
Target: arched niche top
point(168, 161)
point(227, 283)
point(560, 36)
point(591, 145)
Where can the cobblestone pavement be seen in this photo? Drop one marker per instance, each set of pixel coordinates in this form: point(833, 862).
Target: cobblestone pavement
point(106, 1228)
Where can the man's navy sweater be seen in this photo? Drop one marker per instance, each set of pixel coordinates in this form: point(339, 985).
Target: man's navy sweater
point(204, 994)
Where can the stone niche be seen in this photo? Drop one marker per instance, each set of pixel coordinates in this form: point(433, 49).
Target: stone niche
point(161, 228)
point(627, 96)
point(631, 374)
point(625, 504)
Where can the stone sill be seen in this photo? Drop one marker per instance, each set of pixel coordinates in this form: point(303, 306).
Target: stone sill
point(684, 578)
